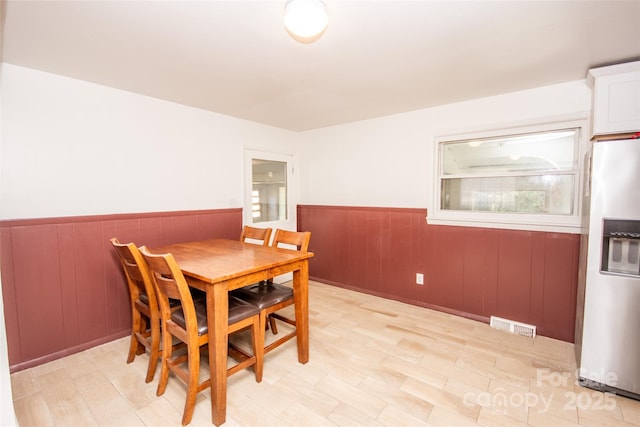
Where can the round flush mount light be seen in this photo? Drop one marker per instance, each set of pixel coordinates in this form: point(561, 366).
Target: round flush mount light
point(305, 20)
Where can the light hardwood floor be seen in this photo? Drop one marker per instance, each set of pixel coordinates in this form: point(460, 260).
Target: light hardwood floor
point(374, 362)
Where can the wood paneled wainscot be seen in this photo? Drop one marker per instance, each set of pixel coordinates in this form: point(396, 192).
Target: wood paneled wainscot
point(526, 276)
point(63, 286)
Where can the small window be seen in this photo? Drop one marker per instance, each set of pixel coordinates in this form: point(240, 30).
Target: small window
point(527, 179)
point(269, 191)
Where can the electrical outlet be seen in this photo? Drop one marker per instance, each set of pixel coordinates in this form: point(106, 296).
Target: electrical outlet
point(419, 279)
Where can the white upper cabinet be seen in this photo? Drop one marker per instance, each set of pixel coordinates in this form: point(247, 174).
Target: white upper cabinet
point(616, 98)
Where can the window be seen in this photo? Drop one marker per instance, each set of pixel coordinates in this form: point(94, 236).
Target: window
point(269, 191)
point(526, 178)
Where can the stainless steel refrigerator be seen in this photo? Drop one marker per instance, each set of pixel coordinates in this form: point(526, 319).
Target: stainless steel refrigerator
point(608, 307)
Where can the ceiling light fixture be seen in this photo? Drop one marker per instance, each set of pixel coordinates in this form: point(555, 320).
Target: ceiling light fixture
point(305, 20)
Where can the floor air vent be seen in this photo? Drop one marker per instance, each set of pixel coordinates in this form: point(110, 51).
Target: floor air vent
point(513, 327)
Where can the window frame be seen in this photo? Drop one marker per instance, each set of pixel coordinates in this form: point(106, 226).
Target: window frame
point(503, 220)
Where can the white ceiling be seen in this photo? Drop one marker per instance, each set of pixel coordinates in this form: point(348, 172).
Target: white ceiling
point(376, 58)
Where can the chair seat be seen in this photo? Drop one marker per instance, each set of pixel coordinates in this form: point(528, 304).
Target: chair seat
point(144, 298)
point(238, 310)
point(264, 294)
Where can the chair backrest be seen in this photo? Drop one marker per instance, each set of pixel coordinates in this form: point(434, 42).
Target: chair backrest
point(170, 283)
point(255, 233)
point(136, 272)
point(299, 239)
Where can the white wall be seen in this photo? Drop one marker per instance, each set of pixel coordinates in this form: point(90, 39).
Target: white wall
point(71, 147)
point(388, 161)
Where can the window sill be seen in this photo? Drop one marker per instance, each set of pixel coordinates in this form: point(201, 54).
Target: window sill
point(509, 222)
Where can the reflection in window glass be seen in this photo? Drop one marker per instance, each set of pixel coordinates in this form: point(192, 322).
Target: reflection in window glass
point(269, 193)
point(530, 173)
point(519, 153)
point(255, 204)
point(540, 194)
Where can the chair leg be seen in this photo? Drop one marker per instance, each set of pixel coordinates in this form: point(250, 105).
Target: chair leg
point(193, 381)
point(167, 350)
point(272, 323)
point(155, 350)
point(263, 322)
point(134, 346)
point(143, 332)
point(257, 340)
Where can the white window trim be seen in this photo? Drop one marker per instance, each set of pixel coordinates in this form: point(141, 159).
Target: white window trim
point(513, 221)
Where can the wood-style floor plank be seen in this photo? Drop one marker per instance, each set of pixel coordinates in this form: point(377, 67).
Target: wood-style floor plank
point(373, 362)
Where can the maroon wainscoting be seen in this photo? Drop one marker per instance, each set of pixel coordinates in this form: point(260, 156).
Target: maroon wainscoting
point(63, 287)
point(525, 276)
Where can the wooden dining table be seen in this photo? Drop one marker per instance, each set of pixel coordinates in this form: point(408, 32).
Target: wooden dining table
point(218, 266)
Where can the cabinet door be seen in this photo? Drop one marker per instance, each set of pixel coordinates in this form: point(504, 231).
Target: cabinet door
point(616, 107)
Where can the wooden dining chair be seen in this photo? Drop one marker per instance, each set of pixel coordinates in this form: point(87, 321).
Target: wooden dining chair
point(189, 325)
point(145, 315)
point(254, 234)
point(271, 297)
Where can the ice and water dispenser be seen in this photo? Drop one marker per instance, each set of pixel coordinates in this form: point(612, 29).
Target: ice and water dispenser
point(621, 247)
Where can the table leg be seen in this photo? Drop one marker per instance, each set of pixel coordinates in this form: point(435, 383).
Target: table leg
point(218, 322)
point(301, 302)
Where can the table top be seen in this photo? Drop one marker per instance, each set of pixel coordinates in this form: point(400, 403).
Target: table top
point(217, 260)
